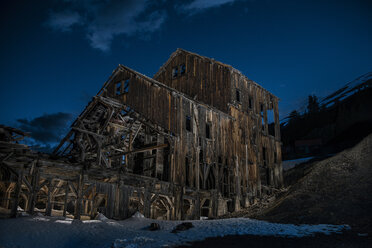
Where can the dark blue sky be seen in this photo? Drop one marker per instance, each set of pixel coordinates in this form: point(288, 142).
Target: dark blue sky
point(55, 55)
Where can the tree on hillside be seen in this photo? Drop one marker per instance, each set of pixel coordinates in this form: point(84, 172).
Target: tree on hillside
point(293, 116)
point(313, 104)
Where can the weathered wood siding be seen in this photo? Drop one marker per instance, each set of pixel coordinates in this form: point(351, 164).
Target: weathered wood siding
point(205, 80)
point(231, 160)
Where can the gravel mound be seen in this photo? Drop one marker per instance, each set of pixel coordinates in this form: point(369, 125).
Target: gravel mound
point(337, 190)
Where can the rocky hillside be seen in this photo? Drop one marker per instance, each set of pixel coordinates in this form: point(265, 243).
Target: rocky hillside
point(336, 190)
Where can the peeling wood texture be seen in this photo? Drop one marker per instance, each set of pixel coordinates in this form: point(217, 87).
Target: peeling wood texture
point(193, 141)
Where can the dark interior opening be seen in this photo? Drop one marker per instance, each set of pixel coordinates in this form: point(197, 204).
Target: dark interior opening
point(188, 123)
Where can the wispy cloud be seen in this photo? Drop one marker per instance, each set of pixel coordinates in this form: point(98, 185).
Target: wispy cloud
point(199, 5)
point(122, 17)
point(105, 20)
point(63, 20)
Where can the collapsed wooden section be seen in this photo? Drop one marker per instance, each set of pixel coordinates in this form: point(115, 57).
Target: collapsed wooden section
point(194, 141)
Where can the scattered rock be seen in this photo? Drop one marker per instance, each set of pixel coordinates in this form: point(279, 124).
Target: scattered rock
point(154, 226)
point(101, 217)
point(182, 227)
point(138, 215)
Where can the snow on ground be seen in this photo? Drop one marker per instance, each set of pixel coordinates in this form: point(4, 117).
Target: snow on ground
point(42, 231)
point(289, 164)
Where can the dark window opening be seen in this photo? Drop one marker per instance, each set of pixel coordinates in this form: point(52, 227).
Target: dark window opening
point(126, 86)
point(271, 127)
point(225, 184)
point(275, 157)
point(205, 208)
point(166, 166)
point(118, 89)
point(210, 184)
point(201, 158)
point(174, 72)
point(183, 69)
point(200, 141)
point(262, 109)
point(208, 130)
point(187, 165)
point(250, 102)
point(237, 95)
point(268, 176)
point(188, 123)
point(271, 121)
point(264, 156)
point(219, 159)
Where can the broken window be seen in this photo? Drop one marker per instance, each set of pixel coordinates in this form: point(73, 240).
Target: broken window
point(182, 69)
point(188, 123)
point(208, 130)
point(174, 72)
point(118, 89)
point(271, 122)
point(262, 116)
point(126, 86)
point(250, 102)
point(262, 109)
point(237, 92)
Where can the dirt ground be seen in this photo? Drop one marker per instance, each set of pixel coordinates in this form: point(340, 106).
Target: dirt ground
point(336, 190)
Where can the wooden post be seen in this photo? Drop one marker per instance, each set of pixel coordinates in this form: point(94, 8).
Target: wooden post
point(35, 189)
point(79, 195)
point(66, 196)
point(17, 192)
point(237, 185)
point(197, 206)
point(147, 203)
point(48, 210)
point(93, 210)
point(124, 207)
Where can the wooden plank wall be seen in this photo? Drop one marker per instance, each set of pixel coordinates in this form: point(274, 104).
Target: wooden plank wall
point(203, 80)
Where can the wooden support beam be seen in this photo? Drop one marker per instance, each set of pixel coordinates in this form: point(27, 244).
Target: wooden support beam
point(147, 203)
point(62, 142)
point(66, 196)
point(17, 193)
point(109, 116)
point(79, 196)
point(48, 209)
point(27, 183)
point(34, 191)
point(95, 135)
point(140, 150)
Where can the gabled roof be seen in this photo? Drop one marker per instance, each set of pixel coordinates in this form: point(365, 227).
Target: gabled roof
point(211, 60)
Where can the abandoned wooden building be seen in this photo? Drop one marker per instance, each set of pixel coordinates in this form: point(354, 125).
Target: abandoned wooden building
point(192, 141)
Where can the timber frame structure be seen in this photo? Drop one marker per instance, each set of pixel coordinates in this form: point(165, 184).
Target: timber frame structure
point(192, 141)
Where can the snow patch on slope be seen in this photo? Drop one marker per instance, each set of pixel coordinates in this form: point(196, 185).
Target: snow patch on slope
point(42, 231)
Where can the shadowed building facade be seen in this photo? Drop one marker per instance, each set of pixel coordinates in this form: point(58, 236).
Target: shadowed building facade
point(193, 141)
